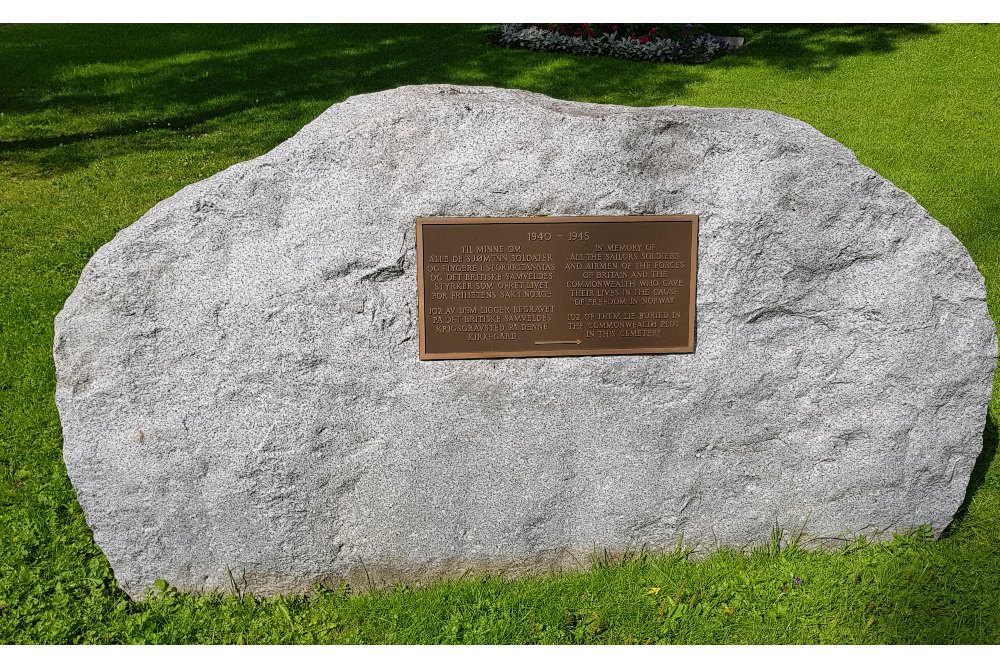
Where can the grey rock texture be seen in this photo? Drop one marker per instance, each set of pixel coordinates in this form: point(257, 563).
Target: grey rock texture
point(241, 396)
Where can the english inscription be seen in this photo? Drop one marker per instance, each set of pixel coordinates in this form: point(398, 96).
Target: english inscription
point(556, 286)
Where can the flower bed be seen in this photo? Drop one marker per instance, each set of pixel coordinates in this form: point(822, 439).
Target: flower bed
point(653, 42)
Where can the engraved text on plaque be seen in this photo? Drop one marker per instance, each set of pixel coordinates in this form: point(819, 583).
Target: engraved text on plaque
point(556, 286)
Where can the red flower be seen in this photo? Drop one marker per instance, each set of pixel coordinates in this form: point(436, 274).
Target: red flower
point(614, 27)
point(652, 30)
point(644, 40)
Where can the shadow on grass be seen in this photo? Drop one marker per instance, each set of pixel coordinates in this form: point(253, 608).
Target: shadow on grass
point(118, 80)
point(67, 85)
point(979, 471)
point(815, 48)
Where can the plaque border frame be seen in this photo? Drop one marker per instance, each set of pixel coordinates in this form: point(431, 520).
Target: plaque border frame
point(437, 356)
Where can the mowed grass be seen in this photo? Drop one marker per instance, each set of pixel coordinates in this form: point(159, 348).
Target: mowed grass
point(98, 123)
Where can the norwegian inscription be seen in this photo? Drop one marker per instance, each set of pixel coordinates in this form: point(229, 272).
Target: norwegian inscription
point(514, 287)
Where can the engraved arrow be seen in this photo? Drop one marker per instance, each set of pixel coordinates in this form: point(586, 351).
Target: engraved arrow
point(558, 342)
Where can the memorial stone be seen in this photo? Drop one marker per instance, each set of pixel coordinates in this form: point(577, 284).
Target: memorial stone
point(243, 398)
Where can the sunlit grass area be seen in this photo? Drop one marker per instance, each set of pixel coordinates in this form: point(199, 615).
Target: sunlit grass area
point(98, 123)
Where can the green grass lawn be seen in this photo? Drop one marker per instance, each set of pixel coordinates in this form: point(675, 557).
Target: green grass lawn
point(98, 123)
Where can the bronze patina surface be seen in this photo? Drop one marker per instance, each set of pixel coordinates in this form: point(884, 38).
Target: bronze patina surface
point(556, 286)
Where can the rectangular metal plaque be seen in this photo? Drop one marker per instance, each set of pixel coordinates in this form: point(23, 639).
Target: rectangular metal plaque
point(556, 286)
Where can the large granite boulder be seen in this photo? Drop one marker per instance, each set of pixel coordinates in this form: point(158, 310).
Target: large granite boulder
point(242, 400)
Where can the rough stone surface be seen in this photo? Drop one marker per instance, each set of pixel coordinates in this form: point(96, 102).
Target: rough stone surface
point(241, 397)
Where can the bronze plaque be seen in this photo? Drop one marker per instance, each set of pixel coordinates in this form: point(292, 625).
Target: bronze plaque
point(547, 287)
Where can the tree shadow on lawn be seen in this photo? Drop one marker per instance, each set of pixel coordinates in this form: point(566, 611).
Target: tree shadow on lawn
point(73, 84)
point(814, 48)
point(188, 74)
